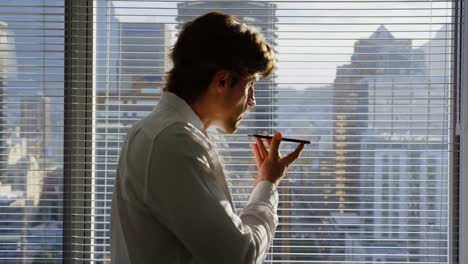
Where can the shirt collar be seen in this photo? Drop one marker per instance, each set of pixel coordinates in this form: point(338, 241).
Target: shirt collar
point(179, 104)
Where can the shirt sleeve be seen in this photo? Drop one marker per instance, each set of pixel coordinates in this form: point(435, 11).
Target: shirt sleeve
point(179, 192)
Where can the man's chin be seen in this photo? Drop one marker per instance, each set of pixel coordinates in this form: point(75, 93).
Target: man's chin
point(232, 128)
point(229, 128)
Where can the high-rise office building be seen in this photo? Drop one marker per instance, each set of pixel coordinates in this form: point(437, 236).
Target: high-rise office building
point(404, 198)
point(389, 140)
point(128, 86)
point(381, 82)
point(405, 158)
point(5, 69)
point(379, 60)
point(36, 126)
point(35, 67)
point(21, 180)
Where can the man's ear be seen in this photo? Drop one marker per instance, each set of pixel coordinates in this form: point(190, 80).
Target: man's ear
point(221, 80)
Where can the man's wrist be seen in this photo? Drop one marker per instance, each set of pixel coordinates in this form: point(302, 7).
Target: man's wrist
point(266, 192)
point(261, 178)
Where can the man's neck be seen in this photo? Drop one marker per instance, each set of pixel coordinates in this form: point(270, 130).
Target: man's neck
point(203, 112)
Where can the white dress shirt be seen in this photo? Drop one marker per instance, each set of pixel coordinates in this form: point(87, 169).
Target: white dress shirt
point(171, 203)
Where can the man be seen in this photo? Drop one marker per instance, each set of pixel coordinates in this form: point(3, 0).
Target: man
point(171, 203)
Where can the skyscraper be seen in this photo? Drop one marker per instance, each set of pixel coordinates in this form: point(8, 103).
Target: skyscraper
point(27, 79)
point(388, 157)
point(405, 154)
point(142, 60)
point(35, 67)
point(381, 59)
point(369, 100)
point(5, 68)
point(130, 66)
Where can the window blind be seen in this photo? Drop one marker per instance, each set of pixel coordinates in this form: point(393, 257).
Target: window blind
point(371, 83)
point(31, 131)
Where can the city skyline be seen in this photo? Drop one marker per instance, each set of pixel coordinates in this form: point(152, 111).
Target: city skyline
point(31, 173)
point(325, 42)
point(367, 123)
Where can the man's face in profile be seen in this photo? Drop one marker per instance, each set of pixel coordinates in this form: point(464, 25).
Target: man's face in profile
point(237, 100)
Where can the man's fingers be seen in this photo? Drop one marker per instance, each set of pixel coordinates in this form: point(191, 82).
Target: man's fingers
point(261, 148)
point(293, 155)
point(269, 145)
point(258, 157)
point(275, 143)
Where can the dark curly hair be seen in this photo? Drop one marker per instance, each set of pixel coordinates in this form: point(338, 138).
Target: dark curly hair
point(212, 42)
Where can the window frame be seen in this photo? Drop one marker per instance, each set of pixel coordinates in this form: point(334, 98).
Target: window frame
point(463, 131)
point(78, 115)
point(78, 139)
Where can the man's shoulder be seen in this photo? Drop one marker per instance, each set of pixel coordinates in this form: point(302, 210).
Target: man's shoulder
point(183, 134)
point(157, 121)
point(163, 125)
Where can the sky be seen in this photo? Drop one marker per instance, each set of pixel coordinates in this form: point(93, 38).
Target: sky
point(316, 37)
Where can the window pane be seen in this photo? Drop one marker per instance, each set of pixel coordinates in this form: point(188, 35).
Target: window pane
point(369, 83)
point(31, 130)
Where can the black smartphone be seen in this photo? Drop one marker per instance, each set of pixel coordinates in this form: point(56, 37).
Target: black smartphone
point(284, 139)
